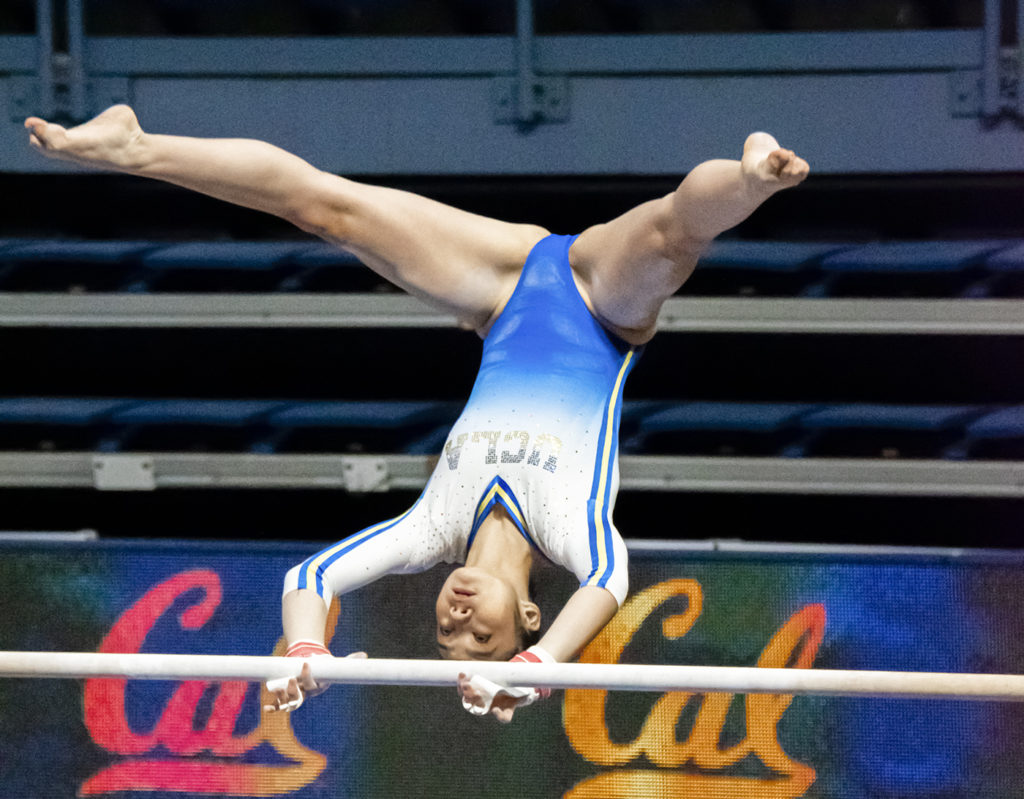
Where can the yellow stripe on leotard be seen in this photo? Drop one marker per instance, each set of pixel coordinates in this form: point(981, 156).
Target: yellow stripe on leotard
point(313, 565)
point(603, 478)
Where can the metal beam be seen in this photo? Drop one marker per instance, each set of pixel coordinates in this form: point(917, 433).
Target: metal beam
point(710, 54)
point(638, 473)
point(679, 314)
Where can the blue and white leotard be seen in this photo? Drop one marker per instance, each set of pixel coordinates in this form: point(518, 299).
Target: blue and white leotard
point(539, 435)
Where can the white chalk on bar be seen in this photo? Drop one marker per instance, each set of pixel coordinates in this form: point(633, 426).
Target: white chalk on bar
point(616, 677)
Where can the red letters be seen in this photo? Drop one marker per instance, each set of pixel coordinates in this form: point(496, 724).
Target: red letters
point(175, 732)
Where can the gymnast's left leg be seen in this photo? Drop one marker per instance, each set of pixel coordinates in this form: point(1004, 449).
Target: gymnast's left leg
point(629, 266)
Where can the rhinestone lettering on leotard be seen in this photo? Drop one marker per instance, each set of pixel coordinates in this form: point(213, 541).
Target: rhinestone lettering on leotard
point(545, 446)
point(524, 440)
point(453, 450)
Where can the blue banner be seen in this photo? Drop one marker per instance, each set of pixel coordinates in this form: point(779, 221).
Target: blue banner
point(105, 737)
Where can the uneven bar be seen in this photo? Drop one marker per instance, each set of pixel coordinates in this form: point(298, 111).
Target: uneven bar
point(616, 677)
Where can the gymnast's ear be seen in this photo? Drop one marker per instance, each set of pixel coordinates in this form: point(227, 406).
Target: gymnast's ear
point(530, 615)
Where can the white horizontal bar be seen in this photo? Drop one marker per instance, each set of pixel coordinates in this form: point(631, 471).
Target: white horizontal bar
point(619, 677)
point(690, 314)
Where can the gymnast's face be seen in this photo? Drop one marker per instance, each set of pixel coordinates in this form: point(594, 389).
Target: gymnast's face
point(477, 617)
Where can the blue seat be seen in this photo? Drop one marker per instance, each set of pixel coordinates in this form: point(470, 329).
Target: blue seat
point(1007, 259)
point(220, 266)
point(320, 253)
point(184, 425)
point(248, 255)
point(878, 430)
point(998, 435)
point(769, 256)
point(189, 411)
point(720, 428)
point(750, 416)
point(10, 243)
point(55, 423)
point(909, 269)
point(327, 268)
point(1004, 423)
point(86, 252)
point(57, 410)
point(359, 426)
point(1007, 269)
point(903, 257)
point(61, 266)
point(759, 268)
point(357, 413)
point(892, 417)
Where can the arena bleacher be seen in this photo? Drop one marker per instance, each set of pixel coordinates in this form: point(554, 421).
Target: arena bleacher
point(853, 346)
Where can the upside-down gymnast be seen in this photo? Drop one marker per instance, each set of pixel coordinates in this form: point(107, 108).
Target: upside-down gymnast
point(530, 466)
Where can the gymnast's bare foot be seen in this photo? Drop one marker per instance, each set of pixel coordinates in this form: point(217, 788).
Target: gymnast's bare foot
point(769, 167)
point(112, 140)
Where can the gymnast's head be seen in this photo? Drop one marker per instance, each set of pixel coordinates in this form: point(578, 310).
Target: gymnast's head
point(483, 617)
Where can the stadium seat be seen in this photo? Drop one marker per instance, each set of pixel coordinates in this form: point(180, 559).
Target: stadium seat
point(907, 268)
point(189, 425)
point(998, 435)
point(1007, 268)
point(55, 423)
point(235, 266)
point(358, 426)
point(759, 268)
point(70, 266)
point(720, 428)
point(323, 267)
point(886, 431)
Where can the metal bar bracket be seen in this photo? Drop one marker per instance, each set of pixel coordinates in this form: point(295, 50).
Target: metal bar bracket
point(546, 100)
point(965, 94)
point(123, 473)
point(365, 474)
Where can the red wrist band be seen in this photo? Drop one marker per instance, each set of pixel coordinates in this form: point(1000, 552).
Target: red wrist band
point(305, 649)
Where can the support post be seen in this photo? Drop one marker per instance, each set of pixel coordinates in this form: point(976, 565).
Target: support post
point(526, 107)
point(527, 99)
point(1004, 60)
point(46, 99)
point(77, 106)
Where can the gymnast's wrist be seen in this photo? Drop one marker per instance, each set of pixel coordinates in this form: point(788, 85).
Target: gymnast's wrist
point(305, 648)
point(535, 654)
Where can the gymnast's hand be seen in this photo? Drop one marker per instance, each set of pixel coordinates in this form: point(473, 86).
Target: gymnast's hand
point(288, 693)
point(769, 167)
point(480, 696)
point(502, 705)
point(112, 140)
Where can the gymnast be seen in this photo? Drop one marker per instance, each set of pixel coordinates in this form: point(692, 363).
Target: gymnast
point(530, 467)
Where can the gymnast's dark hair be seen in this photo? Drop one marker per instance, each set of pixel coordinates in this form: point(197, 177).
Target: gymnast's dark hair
point(528, 638)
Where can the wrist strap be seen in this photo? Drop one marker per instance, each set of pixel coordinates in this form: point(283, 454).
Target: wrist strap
point(305, 648)
point(534, 654)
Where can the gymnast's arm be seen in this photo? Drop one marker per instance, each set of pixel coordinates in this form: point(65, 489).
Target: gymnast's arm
point(586, 613)
point(311, 586)
point(463, 263)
